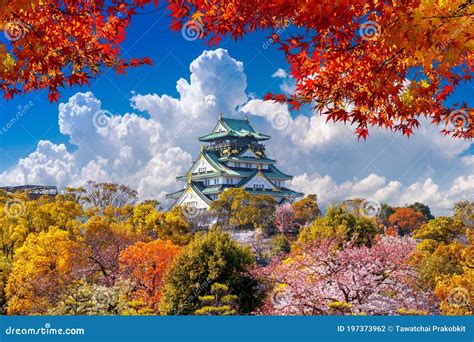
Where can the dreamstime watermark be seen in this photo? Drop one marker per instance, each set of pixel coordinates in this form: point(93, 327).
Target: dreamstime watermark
point(183, 128)
point(444, 45)
point(370, 30)
point(458, 120)
point(46, 330)
point(459, 296)
point(280, 121)
point(14, 208)
point(370, 208)
point(192, 30)
point(14, 30)
point(278, 32)
point(21, 111)
point(191, 212)
point(280, 297)
point(102, 118)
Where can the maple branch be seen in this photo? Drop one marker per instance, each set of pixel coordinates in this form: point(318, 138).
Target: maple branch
point(26, 24)
point(388, 60)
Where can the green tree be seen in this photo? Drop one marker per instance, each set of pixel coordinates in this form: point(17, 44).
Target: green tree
point(209, 258)
point(440, 255)
point(82, 298)
point(441, 229)
point(384, 214)
point(339, 223)
point(422, 208)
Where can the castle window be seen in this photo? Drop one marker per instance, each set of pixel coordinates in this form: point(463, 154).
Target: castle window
point(258, 186)
point(248, 165)
point(202, 170)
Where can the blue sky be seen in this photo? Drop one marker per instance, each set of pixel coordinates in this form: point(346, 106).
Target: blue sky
point(148, 36)
point(326, 160)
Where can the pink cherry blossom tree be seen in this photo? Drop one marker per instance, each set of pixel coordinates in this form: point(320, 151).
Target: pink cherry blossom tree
point(321, 278)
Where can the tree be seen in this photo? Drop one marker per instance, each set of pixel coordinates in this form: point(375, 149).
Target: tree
point(353, 66)
point(103, 195)
point(22, 216)
point(105, 240)
point(440, 254)
point(145, 265)
point(323, 279)
point(218, 302)
point(441, 229)
point(41, 268)
point(457, 294)
point(210, 258)
point(422, 208)
point(406, 220)
point(382, 63)
point(464, 212)
point(341, 225)
point(306, 210)
point(82, 298)
point(236, 208)
point(285, 220)
point(384, 214)
point(171, 225)
point(55, 43)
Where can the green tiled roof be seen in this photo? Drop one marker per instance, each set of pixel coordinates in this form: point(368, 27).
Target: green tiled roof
point(282, 191)
point(175, 195)
point(234, 128)
point(213, 158)
point(276, 173)
point(247, 159)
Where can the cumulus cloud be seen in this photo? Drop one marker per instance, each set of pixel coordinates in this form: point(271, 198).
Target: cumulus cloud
point(124, 149)
point(148, 152)
point(393, 192)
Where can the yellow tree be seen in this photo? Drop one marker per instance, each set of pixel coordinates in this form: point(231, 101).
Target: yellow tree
point(236, 207)
point(456, 292)
point(41, 268)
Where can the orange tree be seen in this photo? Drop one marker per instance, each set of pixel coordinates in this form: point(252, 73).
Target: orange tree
point(145, 264)
point(351, 59)
point(406, 220)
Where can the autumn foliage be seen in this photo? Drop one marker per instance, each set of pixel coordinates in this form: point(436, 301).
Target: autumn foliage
point(146, 264)
point(377, 63)
point(67, 255)
point(406, 220)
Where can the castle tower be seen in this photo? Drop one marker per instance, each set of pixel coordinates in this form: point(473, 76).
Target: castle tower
point(232, 156)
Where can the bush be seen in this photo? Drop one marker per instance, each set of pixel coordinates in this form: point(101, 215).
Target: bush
point(210, 258)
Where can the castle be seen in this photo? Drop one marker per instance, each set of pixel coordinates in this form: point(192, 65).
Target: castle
point(232, 156)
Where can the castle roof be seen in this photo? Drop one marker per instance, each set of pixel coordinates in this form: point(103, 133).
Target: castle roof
point(222, 170)
point(227, 127)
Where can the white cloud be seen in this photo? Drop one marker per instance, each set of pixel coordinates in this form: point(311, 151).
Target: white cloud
point(327, 159)
point(280, 73)
point(393, 192)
